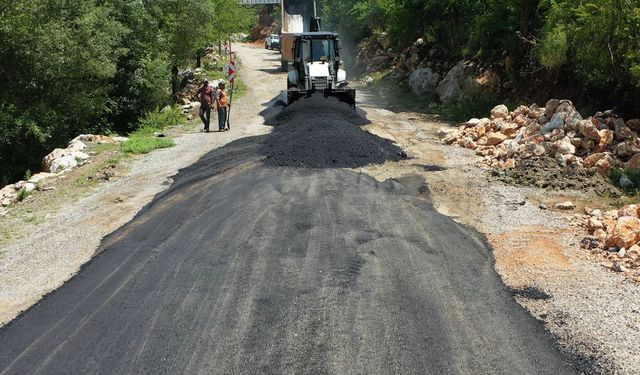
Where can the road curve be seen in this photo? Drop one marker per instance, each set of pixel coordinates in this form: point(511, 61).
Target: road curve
point(246, 266)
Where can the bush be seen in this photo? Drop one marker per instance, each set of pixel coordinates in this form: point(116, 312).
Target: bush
point(144, 140)
point(159, 120)
point(144, 143)
point(22, 194)
point(552, 51)
point(473, 104)
point(633, 174)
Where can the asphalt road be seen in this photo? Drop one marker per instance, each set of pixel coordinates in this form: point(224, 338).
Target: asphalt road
point(267, 257)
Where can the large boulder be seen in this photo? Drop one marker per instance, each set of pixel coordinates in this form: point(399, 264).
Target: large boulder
point(455, 84)
point(509, 129)
point(591, 160)
point(76, 145)
point(40, 177)
point(424, 81)
point(556, 122)
point(589, 130)
point(634, 162)
point(47, 161)
point(626, 149)
point(495, 138)
point(629, 210)
point(605, 164)
point(625, 233)
point(499, 111)
point(564, 146)
point(606, 139)
point(8, 192)
point(550, 107)
point(63, 163)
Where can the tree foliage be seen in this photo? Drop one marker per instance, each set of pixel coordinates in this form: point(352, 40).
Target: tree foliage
point(593, 42)
point(68, 67)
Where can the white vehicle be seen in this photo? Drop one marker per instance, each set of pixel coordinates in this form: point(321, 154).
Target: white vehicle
point(316, 68)
point(272, 42)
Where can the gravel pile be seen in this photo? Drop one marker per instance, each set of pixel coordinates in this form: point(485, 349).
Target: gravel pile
point(319, 132)
point(555, 132)
point(546, 173)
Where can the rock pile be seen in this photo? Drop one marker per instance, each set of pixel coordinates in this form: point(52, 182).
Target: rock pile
point(57, 162)
point(556, 130)
point(374, 54)
point(427, 70)
point(616, 235)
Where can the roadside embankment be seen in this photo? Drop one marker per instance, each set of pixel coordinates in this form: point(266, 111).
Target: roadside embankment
point(593, 311)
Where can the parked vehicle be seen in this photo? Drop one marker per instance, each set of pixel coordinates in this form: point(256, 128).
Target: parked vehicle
point(272, 42)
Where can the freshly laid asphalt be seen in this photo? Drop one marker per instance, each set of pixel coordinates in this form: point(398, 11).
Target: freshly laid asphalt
point(266, 257)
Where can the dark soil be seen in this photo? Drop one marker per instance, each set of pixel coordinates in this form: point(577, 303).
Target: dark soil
point(323, 132)
point(531, 292)
point(547, 173)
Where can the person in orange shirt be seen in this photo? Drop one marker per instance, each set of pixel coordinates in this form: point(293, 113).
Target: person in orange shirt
point(222, 101)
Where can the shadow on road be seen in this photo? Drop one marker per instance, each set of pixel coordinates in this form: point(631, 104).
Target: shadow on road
point(271, 70)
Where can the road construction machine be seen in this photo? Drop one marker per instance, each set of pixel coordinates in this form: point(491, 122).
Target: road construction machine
point(311, 56)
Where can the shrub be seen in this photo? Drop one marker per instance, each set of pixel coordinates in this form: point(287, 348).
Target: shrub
point(159, 120)
point(474, 103)
point(552, 51)
point(22, 194)
point(633, 174)
point(145, 143)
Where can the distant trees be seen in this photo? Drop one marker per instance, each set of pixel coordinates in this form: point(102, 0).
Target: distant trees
point(68, 67)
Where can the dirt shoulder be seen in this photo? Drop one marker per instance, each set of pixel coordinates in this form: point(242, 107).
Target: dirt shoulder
point(593, 312)
point(57, 236)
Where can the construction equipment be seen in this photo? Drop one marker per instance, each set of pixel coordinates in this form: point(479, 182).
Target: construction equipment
point(295, 14)
point(311, 57)
point(316, 68)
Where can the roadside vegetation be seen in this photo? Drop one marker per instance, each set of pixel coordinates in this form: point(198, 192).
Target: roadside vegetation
point(148, 136)
point(589, 49)
point(626, 179)
point(96, 67)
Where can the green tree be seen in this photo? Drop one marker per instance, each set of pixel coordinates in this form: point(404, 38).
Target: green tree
point(55, 60)
point(94, 65)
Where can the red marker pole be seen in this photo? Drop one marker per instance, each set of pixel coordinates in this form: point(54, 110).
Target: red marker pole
point(232, 79)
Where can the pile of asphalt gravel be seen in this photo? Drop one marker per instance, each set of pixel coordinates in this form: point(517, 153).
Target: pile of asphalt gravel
point(323, 132)
point(545, 173)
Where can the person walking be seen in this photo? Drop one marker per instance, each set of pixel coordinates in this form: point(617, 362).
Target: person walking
point(222, 102)
point(205, 93)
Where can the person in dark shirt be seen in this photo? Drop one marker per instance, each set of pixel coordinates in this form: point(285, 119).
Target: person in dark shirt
point(205, 93)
